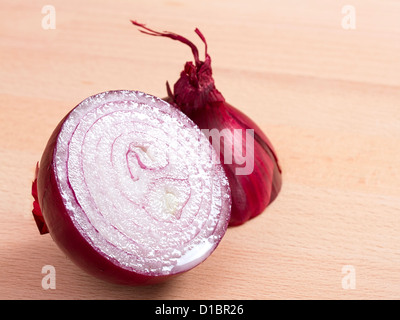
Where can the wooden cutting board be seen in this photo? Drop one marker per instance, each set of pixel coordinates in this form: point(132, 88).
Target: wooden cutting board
point(323, 81)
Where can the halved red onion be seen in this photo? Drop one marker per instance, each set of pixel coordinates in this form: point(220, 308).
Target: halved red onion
point(129, 189)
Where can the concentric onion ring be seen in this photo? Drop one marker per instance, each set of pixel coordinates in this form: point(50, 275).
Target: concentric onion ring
point(136, 186)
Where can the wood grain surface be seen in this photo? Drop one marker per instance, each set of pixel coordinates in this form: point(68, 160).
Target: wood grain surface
point(328, 98)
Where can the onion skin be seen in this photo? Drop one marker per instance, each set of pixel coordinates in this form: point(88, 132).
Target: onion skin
point(50, 207)
point(251, 194)
point(195, 94)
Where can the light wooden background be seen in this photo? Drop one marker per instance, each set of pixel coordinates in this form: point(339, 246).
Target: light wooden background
point(328, 98)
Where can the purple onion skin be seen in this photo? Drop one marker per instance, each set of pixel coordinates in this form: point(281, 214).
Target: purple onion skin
point(65, 234)
point(195, 94)
point(253, 193)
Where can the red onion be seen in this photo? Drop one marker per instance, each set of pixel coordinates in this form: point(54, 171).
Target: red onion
point(128, 188)
point(248, 156)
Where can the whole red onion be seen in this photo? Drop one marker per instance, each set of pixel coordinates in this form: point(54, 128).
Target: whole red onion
point(248, 156)
point(129, 189)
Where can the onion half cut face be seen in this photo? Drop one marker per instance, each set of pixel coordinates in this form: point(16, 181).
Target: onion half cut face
point(130, 189)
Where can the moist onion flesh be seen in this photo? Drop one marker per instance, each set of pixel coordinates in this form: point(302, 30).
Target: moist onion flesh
point(129, 188)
